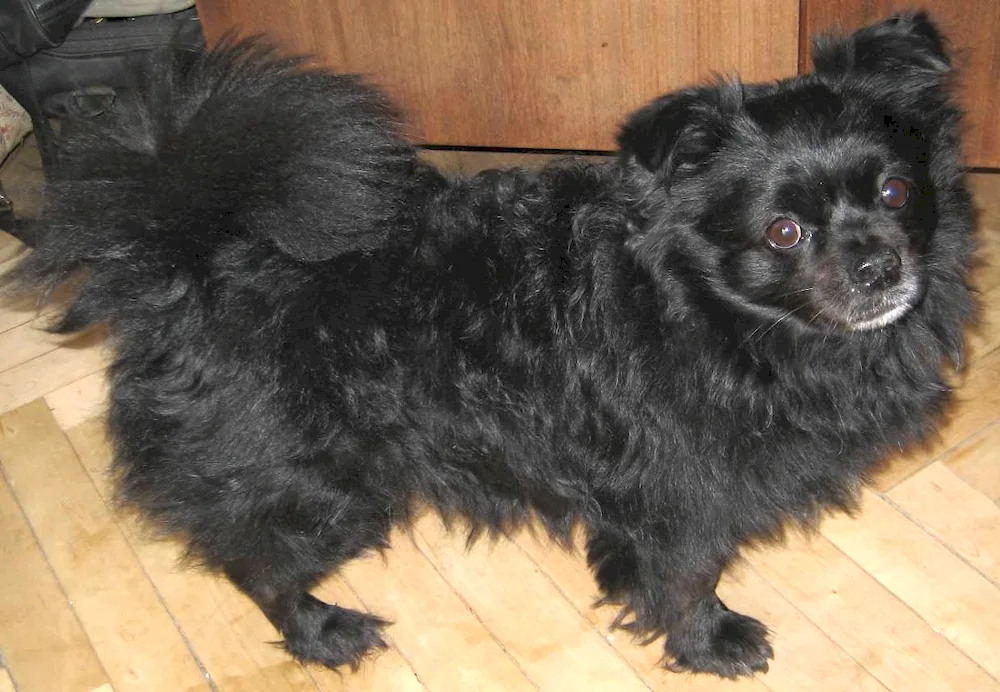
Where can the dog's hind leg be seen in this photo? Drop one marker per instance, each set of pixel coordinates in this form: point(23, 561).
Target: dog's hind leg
point(280, 572)
point(312, 630)
point(666, 591)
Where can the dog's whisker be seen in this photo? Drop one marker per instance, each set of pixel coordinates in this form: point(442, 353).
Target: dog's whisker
point(779, 321)
point(774, 324)
point(794, 293)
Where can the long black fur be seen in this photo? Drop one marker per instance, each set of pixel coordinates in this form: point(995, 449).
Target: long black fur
point(314, 331)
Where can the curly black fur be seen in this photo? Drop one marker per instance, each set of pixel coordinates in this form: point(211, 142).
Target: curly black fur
point(314, 331)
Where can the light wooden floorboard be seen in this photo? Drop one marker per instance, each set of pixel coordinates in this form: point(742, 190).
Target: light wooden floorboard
point(79, 401)
point(554, 639)
point(53, 370)
point(810, 658)
point(40, 636)
point(902, 597)
point(139, 646)
point(977, 461)
point(874, 627)
point(958, 515)
point(26, 342)
point(432, 622)
point(951, 596)
point(15, 312)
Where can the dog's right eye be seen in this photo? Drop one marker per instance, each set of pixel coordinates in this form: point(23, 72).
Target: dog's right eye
point(894, 193)
point(784, 234)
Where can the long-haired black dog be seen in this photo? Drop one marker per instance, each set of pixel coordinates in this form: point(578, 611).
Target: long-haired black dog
point(683, 349)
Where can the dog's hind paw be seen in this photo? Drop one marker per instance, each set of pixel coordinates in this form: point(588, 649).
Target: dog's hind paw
point(333, 636)
point(717, 640)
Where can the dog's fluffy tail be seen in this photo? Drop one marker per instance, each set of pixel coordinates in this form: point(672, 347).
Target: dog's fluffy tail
point(234, 146)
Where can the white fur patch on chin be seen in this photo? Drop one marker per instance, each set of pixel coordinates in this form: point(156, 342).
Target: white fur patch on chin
point(882, 320)
point(912, 292)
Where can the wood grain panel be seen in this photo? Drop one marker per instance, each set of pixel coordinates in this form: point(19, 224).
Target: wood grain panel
point(972, 27)
point(520, 73)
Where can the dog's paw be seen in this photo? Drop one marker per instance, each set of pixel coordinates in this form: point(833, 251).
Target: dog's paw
point(717, 640)
point(333, 636)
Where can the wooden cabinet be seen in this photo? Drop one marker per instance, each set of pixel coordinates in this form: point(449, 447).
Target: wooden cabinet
point(553, 74)
point(561, 74)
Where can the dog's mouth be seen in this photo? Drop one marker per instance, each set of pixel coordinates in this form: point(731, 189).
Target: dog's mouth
point(857, 309)
point(883, 319)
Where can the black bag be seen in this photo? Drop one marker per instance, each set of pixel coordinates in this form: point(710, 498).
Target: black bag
point(28, 26)
point(83, 74)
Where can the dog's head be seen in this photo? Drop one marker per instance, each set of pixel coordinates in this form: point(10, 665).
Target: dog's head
point(813, 199)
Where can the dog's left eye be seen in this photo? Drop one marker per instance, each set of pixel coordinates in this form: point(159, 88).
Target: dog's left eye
point(895, 192)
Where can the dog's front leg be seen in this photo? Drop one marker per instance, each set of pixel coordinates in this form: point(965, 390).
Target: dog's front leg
point(668, 589)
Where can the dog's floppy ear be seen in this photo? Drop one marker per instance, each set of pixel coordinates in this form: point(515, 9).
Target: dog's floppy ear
point(676, 131)
point(908, 45)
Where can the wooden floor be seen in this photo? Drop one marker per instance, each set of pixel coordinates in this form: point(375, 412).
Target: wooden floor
point(904, 597)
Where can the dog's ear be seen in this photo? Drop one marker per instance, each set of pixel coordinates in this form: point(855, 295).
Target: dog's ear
point(907, 45)
point(675, 132)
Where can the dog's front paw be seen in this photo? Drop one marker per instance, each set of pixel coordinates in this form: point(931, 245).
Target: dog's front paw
point(716, 640)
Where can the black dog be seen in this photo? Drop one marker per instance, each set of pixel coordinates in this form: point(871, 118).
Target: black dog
point(720, 332)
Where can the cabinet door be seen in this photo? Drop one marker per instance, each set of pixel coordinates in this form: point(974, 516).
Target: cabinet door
point(552, 74)
point(973, 29)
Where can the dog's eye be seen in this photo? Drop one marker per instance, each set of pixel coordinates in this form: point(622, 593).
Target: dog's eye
point(784, 234)
point(895, 192)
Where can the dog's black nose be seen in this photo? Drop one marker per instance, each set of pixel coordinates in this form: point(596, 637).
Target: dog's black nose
point(879, 269)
